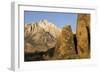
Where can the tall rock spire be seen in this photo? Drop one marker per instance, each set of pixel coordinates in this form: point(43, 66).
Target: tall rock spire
point(83, 35)
point(67, 47)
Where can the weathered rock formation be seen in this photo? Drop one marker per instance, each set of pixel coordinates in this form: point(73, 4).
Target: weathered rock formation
point(83, 35)
point(66, 49)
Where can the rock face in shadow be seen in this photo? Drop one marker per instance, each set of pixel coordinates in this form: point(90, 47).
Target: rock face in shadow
point(83, 35)
point(66, 49)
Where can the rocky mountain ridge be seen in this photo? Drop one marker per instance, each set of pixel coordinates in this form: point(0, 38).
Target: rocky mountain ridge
point(42, 34)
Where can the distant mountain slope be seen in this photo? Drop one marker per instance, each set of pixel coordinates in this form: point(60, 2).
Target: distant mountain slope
point(40, 36)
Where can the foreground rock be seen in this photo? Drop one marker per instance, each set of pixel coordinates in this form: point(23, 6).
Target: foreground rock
point(66, 49)
point(83, 35)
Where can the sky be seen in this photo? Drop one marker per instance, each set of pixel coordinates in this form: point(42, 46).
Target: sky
point(58, 18)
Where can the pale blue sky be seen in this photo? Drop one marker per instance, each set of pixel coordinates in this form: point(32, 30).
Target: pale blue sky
point(57, 18)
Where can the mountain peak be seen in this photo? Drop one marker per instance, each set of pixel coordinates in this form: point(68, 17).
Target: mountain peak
point(45, 25)
point(45, 21)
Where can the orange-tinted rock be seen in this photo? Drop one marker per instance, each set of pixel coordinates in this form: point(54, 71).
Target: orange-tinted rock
point(83, 35)
point(67, 47)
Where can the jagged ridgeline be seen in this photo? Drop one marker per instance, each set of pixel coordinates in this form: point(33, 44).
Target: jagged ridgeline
point(43, 40)
point(40, 40)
